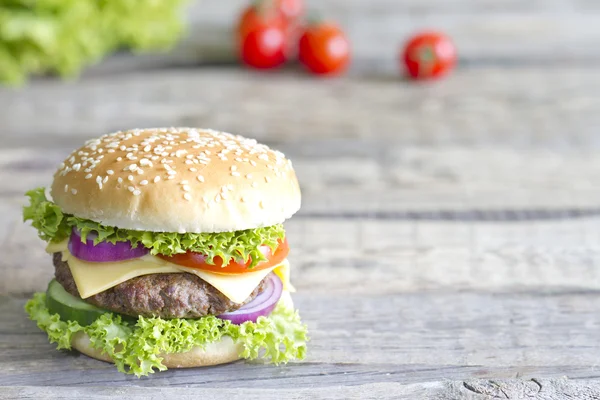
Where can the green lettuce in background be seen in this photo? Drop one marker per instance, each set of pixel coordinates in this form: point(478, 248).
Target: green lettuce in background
point(63, 36)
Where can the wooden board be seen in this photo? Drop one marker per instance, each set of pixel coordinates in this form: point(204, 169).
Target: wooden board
point(486, 32)
point(474, 108)
point(371, 338)
point(448, 246)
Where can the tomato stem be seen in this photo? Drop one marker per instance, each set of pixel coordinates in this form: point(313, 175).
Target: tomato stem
point(264, 7)
point(314, 18)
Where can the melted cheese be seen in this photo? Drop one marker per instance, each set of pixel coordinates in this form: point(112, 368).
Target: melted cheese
point(93, 278)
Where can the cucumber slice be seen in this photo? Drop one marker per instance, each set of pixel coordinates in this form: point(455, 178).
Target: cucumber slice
point(69, 307)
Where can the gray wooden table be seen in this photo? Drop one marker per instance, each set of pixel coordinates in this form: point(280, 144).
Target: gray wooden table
point(449, 241)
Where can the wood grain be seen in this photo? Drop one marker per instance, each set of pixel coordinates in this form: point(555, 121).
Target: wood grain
point(448, 245)
point(485, 107)
point(372, 338)
point(486, 32)
point(535, 389)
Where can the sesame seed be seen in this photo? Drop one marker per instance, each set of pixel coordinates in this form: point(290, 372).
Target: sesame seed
point(74, 191)
point(144, 182)
point(171, 172)
point(238, 159)
point(189, 162)
point(140, 171)
point(130, 188)
point(110, 172)
point(76, 167)
point(193, 169)
point(88, 176)
point(184, 182)
point(130, 178)
point(170, 177)
point(136, 192)
point(249, 176)
point(119, 158)
point(187, 196)
point(200, 178)
point(186, 188)
point(105, 179)
point(253, 163)
point(156, 179)
point(235, 173)
point(66, 188)
point(147, 148)
point(233, 168)
point(120, 180)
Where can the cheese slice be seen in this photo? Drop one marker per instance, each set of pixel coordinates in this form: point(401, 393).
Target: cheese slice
point(57, 247)
point(93, 278)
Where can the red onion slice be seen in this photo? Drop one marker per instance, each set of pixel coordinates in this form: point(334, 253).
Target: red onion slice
point(103, 251)
point(261, 306)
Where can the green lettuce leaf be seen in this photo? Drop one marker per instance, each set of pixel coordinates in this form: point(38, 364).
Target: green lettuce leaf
point(54, 226)
point(136, 349)
point(63, 36)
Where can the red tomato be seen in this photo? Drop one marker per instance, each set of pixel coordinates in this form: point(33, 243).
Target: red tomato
point(324, 49)
point(429, 55)
point(198, 260)
point(291, 9)
point(262, 37)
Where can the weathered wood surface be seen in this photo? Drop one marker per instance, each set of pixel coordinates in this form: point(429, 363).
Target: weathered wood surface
point(449, 241)
point(486, 31)
point(544, 108)
point(371, 338)
point(535, 389)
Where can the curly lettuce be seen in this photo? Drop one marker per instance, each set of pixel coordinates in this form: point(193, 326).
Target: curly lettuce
point(137, 348)
point(55, 226)
point(63, 36)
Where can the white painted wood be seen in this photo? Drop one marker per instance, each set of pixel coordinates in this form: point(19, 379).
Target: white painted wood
point(540, 389)
point(553, 108)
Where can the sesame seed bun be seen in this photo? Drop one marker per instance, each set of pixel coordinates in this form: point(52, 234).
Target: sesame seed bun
point(177, 180)
point(221, 352)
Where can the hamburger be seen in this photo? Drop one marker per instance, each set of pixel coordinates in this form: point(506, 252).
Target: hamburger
point(169, 251)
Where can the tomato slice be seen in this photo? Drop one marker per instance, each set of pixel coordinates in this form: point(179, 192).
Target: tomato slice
point(198, 260)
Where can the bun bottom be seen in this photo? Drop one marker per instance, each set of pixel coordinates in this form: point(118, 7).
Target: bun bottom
point(221, 352)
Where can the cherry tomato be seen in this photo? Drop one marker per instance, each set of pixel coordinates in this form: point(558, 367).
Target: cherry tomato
point(429, 55)
point(198, 260)
point(324, 49)
point(262, 37)
point(291, 9)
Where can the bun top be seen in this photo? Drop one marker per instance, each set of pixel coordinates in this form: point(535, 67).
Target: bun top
point(177, 180)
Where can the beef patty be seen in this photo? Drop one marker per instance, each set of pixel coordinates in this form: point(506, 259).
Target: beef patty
point(172, 295)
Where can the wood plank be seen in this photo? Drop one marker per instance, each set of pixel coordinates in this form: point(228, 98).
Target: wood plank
point(373, 338)
point(393, 256)
point(486, 32)
point(538, 389)
point(486, 107)
point(383, 180)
